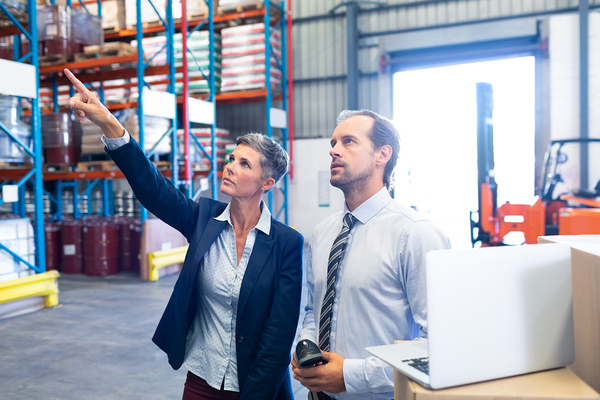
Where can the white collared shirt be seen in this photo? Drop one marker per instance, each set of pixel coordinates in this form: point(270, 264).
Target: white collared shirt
point(380, 289)
point(211, 346)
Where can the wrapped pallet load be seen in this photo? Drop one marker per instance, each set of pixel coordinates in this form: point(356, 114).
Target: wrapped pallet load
point(243, 53)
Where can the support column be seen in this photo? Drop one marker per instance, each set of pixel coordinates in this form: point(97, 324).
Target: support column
point(352, 54)
point(584, 7)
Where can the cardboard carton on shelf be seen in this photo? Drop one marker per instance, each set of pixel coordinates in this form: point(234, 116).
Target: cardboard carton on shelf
point(555, 384)
point(585, 267)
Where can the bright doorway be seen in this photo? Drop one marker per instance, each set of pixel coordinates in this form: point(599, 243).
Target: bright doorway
point(435, 111)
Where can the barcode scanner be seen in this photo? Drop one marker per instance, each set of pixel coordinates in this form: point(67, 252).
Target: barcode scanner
point(308, 353)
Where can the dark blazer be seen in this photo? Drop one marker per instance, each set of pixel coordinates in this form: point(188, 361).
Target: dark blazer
point(269, 303)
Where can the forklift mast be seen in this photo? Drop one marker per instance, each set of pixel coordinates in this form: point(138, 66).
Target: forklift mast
point(486, 181)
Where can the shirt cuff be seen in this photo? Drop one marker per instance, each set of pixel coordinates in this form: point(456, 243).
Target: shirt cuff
point(113, 144)
point(354, 377)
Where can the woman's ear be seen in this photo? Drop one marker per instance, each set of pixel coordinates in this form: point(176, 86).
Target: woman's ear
point(268, 184)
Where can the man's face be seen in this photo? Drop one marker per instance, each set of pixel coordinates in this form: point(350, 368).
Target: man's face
point(352, 153)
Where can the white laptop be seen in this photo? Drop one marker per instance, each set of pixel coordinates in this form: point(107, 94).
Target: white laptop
point(492, 312)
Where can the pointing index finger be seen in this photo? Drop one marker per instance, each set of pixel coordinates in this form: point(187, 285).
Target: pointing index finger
point(76, 82)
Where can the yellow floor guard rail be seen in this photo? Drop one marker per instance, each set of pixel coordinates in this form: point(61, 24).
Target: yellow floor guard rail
point(164, 258)
point(44, 284)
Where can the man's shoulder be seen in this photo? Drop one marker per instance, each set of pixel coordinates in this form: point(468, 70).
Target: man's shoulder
point(279, 228)
point(399, 210)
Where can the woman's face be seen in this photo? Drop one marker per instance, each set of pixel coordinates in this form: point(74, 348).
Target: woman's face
point(242, 174)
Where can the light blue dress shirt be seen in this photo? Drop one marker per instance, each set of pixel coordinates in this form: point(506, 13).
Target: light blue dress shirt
point(380, 290)
point(211, 345)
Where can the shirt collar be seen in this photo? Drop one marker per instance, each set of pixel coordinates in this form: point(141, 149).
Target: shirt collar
point(263, 224)
point(371, 206)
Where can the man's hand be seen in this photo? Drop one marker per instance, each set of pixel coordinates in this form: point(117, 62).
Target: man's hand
point(86, 105)
point(323, 377)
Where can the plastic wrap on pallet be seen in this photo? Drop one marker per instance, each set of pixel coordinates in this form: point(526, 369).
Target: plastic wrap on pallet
point(18, 9)
point(113, 13)
point(64, 31)
point(149, 16)
point(204, 137)
point(154, 128)
point(9, 116)
point(17, 235)
point(248, 29)
point(244, 82)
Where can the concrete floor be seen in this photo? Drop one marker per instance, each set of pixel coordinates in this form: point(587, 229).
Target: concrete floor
point(95, 345)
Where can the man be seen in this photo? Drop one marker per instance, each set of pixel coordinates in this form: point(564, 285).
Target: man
point(365, 266)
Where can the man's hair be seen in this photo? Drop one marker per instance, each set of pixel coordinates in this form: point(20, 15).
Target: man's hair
point(383, 132)
point(274, 160)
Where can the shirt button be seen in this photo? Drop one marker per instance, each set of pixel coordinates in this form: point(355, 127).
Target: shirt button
point(228, 293)
point(229, 312)
point(227, 359)
point(335, 300)
point(229, 335)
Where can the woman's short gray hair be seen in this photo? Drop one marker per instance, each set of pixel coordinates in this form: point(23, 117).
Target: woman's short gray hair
point(274, 160)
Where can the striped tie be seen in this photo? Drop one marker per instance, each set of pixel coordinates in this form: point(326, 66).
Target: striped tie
point(335, 256)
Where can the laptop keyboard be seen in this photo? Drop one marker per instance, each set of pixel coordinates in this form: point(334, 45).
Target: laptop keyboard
point(422, 364)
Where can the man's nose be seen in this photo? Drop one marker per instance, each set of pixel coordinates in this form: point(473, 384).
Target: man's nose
point(335, 152)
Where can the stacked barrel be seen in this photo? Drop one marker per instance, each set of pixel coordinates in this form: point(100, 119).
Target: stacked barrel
point(101, 248)
point(72, 246)
point(95, 246)
point(52, 242)
point(61, 138)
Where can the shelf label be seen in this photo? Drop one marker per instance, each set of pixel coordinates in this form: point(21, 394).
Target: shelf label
point(10, 193)
point(22, 80)
point(278, 118)
point(159, 104)
point(201, 112)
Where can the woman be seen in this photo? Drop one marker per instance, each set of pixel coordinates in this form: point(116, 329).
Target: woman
point(232, 316)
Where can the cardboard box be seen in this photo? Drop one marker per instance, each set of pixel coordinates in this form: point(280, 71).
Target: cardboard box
point(585, 264)
point(548, 385)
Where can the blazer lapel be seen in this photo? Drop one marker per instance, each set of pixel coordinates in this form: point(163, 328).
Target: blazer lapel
point(211, 233)
point(262, 248)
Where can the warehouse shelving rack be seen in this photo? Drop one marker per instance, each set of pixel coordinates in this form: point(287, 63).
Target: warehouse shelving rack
point(143, 68)
point(35, 151)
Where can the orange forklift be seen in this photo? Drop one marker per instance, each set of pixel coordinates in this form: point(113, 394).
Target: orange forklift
point(570, 212)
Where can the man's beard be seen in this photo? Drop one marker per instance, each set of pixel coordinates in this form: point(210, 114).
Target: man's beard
point(351, 184)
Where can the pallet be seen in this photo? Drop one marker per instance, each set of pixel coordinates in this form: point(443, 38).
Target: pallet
point(115, 49)
point(258, 5)
point(113, 30)
point(110, 166)
point(193, 18)
point(15, 165)
point(196, 166)
point(89, 166)
point(47, 61)
point(58, 168)
point(146, 25)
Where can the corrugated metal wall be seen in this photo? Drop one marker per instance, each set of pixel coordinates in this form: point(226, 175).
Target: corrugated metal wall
point(319, 46)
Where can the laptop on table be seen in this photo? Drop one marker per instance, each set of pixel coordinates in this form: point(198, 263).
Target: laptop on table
point(493, 312)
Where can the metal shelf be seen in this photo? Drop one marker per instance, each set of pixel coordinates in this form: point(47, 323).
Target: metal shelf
point(34, 174)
